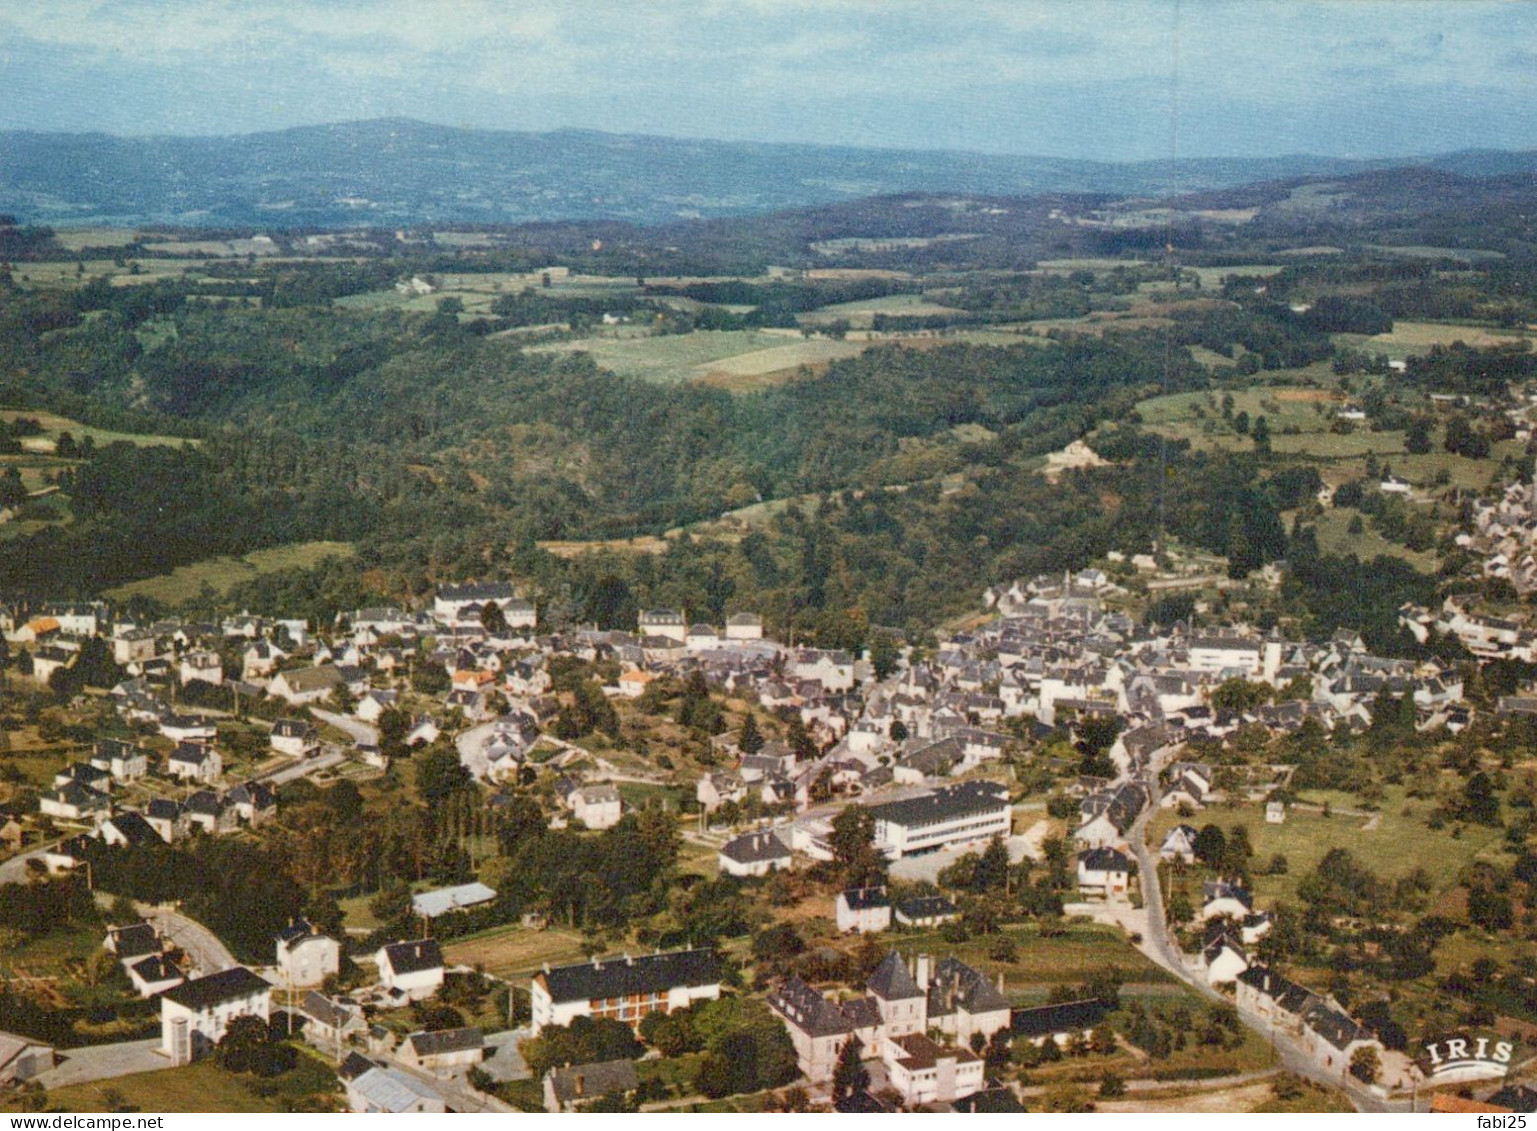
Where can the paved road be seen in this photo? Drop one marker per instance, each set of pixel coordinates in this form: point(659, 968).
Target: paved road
point(359, 730)
point(328, 757)
point(1162, 949)
point(472, 754)
point(103, 1062)
point(14, 870)
point(208, 954)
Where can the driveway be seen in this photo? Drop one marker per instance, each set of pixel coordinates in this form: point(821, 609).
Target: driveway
point(103, 1062)
point(208, 954)
point(360, 731)
point(928, 865)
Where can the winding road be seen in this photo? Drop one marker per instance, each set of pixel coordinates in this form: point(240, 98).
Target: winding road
point(1160, 946)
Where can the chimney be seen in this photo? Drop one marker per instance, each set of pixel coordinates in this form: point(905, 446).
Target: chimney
point(1000, 981)
point(581, 1084)
point(923, 972)
point(628, 961)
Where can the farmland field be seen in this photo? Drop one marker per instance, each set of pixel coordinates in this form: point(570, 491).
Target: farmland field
point(686, 357)
point(196, 1088)
point(53, 425)
point(1409, 338)
point(223, 574)
point(515, 950)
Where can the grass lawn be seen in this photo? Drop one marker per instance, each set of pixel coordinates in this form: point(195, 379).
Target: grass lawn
point(198, 1087)
point(1334, 537)
point(1395, 847)
point(224, 573)
point(1081, 951)
point(514, 951)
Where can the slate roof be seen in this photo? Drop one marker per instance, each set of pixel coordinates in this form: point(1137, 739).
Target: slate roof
point(442, 1041)
point(1218, 889)
point(215, 989)
point(943, 804)
point(1064, 1017)
point(861, 899)
point(155, 968)
point(332, 1013)
point(135, 940)
point(621, 977)
point(890, 981)
point(1104, 860)
point(753, 848)
point(926, 907)
point(601, 1079)
point(414, 956)
point(134, 828)
point(957, 985)
point(815, 1016)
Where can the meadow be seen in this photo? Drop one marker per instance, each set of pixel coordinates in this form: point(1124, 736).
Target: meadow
point(224, 573)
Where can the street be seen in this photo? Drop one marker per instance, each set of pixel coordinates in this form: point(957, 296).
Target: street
point(203, 947)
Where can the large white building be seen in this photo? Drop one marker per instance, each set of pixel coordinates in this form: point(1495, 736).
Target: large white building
point(305, 956)
point(414, 968)
point(970, 812)
point(624, 989)
point(195, 1015)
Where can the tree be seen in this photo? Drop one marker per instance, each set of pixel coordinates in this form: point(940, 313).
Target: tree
point(1483, 804)
point(1365, 1064)
point(440, 774)
point(897, 732)
point(750, 739)
point(853, 846)
point(1417, 436)
point(1210, 845)
point(850, 1075)
point(883, 655)
point(492, 619)
point(992, 871)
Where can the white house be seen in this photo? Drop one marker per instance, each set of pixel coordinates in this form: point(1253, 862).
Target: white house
point(305, 956)
point(443, 1050)
point(926, 1072)
point(754, 854)
point(865, 910)
point(297, 738)
point(596, 806)
point(414, 968)
point(663, 622)
point(195, 1015)
point(744, 626)
point(624, 989)
point(1104, 872)
point(306, 685)
point(203, 667)
point(192, 761)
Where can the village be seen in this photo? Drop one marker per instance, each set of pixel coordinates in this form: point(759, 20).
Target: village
point(927, 751)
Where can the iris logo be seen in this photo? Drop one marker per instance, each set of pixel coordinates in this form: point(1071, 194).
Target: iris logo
point(1467, 1057)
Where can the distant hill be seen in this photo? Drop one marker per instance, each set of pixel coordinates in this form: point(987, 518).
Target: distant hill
point(392, 172)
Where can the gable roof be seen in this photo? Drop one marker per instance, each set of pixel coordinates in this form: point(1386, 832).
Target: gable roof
point(752, 848)
point(620, 977)
point(133, 828)
point(590, 1081)
point(1064, 1017)
point(435, 903)
point(440, 1041)
point(862, 899)
point(956, 985)
point(414, 956)
point(216, 989)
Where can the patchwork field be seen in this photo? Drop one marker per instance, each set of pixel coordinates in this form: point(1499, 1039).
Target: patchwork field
point(223, 574)
point(54, 425)
point(1410, 338)
point(722, 355)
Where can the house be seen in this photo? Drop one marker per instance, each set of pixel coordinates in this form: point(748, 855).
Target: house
point(1223, 954)
point(459, 602)
point(306, 685)
point(431, 904)
point(866, 910)
point(374, 703)
point(1179, 844)
point(128, 829)
point(924, 1071)
point(22, 1058)
point(970, 812)
point(254, 802)
point(424, 732)
point(414, 968)
point(168, 818)
point(133, 647)
point(633, 684)
point(260, 659)
point(754, 854)
point(1059, 1023)
point(85, 774)
point(744, 626)
point(331, 1022)
point(75, 802)
point(962, 1002)
point(443, 1050)
point(298, 738)
point(153, 974)
point(133, 942)
point(570, 1088)
point(1104, 872)
point(1221, 899)
point(1275, 812)
point(819, 1028)
point(123, 760)
point(46, 661)
point(663, 622)
point(306, 956)
point(390, 1090)
point(201, 667)
point(714, 790)
point(188, 728)
point(195, 1014)
point(596, 806)
point(211, 813)
point(926, 911)
point(195, 761)
point(625, 989)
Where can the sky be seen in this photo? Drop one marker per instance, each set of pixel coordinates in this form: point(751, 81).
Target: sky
point(1102, 79)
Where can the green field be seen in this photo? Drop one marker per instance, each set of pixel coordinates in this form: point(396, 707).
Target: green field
point(515, 951)
point(675, 358)
point(198, 1088)
point(223, 574)
point(1399, 843)
point(1081, 951)
point(1410, 338)
point(53, 425)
